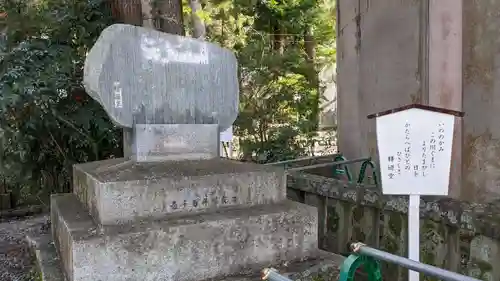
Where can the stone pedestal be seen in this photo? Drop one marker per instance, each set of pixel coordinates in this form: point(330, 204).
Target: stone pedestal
point(163, 142)
point(178, 220)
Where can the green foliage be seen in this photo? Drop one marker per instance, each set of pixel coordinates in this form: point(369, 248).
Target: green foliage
point(279, 92)
point(47, 122)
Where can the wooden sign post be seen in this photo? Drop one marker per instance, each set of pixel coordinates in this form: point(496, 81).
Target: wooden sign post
point(414, 145)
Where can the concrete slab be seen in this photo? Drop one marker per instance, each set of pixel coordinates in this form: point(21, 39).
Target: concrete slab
point(215, 244)
point(324, 266)
point(121, 190)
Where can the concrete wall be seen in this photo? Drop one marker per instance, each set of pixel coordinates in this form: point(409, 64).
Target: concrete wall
point(481, 99)
point(386, 50)
point(378, 66)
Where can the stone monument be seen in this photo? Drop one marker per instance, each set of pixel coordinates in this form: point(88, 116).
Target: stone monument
point(173, 210)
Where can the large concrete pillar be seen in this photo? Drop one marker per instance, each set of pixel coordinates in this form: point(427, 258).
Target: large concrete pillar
point(445, 73)
point(379, 60)
point(481, 100)
point(444, 53)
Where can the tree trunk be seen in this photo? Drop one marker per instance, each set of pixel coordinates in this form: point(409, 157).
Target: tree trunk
point(147, 14)
point(312, 74)
point(278, 37)
point(199, 30)
point(128, 12)
point(310, 45)
point(169, 18)
point(222, 24)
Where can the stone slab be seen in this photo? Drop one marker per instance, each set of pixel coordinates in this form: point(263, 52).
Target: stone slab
point(216, 244)
point(47, 259)
point(324, 266)
point(144, 76)
point(120, 190)
point(166, 142)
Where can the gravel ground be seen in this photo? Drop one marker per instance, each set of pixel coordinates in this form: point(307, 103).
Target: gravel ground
point(16, 262)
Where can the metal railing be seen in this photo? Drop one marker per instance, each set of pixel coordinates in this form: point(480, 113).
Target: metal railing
point(339, 164)
point(310, 158)
point(334, 163)
point(368, 258)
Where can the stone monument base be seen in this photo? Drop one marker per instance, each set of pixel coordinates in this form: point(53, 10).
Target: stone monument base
point(324, 266)
point(122, 191)
point(188, 220)
point(214, 243)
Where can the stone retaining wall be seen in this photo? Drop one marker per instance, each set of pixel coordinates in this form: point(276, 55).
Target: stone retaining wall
point(458, 236)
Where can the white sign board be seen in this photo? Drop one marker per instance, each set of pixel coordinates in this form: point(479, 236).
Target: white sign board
point(414, 148)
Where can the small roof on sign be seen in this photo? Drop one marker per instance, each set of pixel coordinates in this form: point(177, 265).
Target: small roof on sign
point(418, 106)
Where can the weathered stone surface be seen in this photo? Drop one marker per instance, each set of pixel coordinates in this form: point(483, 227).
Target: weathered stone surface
point(325, 266)
point(458, 236)
point(484, 254)
point(143, 76)
point(192, 247)
point(165, 142)
point(121, 190)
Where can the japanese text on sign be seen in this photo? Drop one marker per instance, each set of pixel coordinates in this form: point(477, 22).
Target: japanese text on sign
point(425, 159)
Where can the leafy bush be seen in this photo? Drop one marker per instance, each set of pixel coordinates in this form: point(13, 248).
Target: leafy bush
point(47, 122)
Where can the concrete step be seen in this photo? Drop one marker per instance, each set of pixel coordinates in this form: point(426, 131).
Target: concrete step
point(119, 191)
point(182, 247)
point(323, 266)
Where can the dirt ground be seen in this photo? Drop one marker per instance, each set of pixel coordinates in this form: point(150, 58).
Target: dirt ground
point(16, 263)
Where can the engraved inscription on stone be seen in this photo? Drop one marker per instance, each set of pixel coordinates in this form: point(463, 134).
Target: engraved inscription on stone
point(173, 205)
point(143, 76)
point(189, 200)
